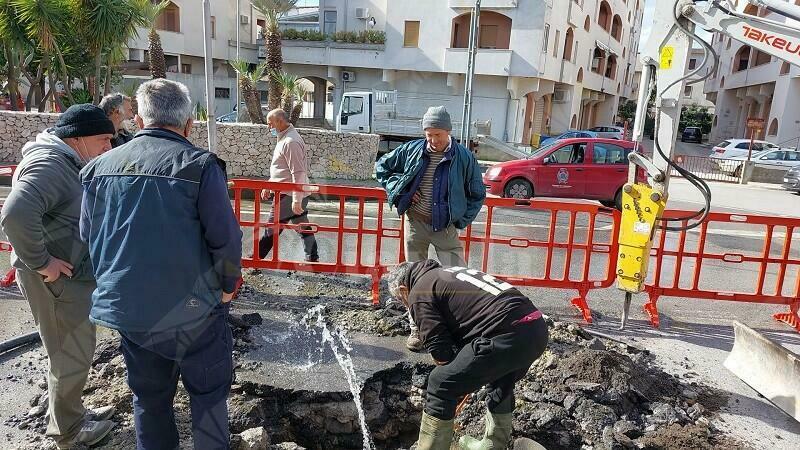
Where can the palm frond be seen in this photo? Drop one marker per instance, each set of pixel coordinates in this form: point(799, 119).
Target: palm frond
point(43, 19)
point(273, 9)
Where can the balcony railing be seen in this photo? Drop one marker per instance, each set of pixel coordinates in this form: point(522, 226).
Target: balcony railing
point(485, 4)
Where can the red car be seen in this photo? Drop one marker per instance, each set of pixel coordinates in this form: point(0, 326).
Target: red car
point(593, 168)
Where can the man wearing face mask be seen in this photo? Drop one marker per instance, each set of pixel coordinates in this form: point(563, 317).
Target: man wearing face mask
point(118, 109)
point(166, 249)
point(41, 219)
point(289, 164)
point(437, 184)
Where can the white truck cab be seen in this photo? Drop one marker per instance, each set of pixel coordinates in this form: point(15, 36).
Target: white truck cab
point(355, 113)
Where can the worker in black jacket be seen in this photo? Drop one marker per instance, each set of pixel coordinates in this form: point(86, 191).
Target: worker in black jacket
point(479, 331)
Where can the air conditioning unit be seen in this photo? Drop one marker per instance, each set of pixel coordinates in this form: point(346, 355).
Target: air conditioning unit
point(560, 96)
point(362, 13)
point(244, 20)
point(348, 77)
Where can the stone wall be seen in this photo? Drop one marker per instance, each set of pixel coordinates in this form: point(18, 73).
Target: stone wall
point(247, 148)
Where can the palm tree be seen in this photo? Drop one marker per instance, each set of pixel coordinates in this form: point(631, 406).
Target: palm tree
point(15, 48)
point(287, 83)
point(108, 26)
point(272, 9)
point(150, 11)
point(248, 83)
point(299, 93)
point(44, 22)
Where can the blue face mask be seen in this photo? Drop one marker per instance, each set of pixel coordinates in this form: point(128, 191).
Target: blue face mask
point(274, 132)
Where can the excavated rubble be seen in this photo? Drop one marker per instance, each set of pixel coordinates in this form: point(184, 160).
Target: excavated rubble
point(583, 393)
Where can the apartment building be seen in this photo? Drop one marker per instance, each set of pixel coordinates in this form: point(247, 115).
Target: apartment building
point(542, 67)
point(694, 94)
point(180, 27)
point(749, 83)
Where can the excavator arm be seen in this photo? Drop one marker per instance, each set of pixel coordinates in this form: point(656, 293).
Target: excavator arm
point(665, 61)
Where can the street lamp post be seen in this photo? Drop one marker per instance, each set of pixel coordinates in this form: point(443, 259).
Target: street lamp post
point(238, 42)
point(211, 120)
point(466, 116)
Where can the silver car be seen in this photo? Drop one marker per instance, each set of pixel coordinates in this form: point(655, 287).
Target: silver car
point(791, 181)
point(609, 132)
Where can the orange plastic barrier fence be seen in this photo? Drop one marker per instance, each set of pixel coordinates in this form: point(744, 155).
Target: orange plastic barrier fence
point(551, 244)
point(10, 276)
point(566, 237)
point(764, 263)
point(367, 240)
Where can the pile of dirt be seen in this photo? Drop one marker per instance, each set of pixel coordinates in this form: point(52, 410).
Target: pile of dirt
point(586, 392)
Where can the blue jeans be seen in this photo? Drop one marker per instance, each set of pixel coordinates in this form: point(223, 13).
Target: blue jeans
point(202, 356)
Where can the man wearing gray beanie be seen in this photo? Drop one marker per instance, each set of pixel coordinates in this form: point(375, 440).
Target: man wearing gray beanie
point(41, 219)
point(436, 183)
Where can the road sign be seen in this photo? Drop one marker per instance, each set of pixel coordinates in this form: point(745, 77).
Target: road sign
point(755, 123)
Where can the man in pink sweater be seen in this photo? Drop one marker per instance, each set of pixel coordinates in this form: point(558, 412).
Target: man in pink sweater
point(288, 165)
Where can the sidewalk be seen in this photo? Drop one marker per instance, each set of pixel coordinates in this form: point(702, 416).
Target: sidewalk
point(756, 198)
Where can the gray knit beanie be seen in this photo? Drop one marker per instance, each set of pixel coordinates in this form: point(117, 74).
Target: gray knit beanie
point(437, 117)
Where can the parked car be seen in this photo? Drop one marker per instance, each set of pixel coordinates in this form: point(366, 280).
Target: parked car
point(692, 134)
point(732, 148)
point(609, 132)
point(791, 181)
point(592, 168)
point(569, 135)
point(230, 117)
point(770, 159)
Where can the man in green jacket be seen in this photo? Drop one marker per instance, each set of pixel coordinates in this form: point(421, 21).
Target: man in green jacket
point(437, 184)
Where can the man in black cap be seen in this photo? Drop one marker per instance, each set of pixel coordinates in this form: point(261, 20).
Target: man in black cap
point(479, 331)
point(41, 219)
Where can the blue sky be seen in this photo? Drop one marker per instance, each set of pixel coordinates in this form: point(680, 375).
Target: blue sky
point(647, 23)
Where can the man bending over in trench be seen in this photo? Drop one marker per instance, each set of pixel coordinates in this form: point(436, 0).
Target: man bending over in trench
point(479, 331)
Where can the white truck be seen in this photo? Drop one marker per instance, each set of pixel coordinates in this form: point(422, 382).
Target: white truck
point(397, 117)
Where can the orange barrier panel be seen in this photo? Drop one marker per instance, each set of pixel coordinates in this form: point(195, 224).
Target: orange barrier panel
point(10, 277)
point(763, 260)
point(552, 244)
point(368, 258)
point(566, 233)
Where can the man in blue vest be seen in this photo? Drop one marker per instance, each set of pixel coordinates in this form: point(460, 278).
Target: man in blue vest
point(166, 250)
point(437, 184)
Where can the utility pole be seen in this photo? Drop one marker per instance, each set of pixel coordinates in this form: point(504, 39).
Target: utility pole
point(211, 121)
point(466, 116)
point(238, 41)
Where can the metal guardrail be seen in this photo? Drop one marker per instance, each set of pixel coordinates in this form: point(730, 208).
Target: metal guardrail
point(711, 169)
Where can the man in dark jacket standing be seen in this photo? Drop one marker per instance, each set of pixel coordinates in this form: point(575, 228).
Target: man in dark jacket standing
point(54, 273)
point(166, 250)
point(436, 183)
point(479, 331)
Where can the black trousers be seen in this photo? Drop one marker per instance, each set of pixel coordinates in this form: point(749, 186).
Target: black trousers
point(202, 357)
point(287, 215)
point(499, 362)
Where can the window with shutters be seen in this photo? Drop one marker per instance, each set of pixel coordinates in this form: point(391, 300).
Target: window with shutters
point(411, 34)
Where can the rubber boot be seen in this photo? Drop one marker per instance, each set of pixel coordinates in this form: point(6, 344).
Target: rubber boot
point(435, 434)
point(496, 437)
